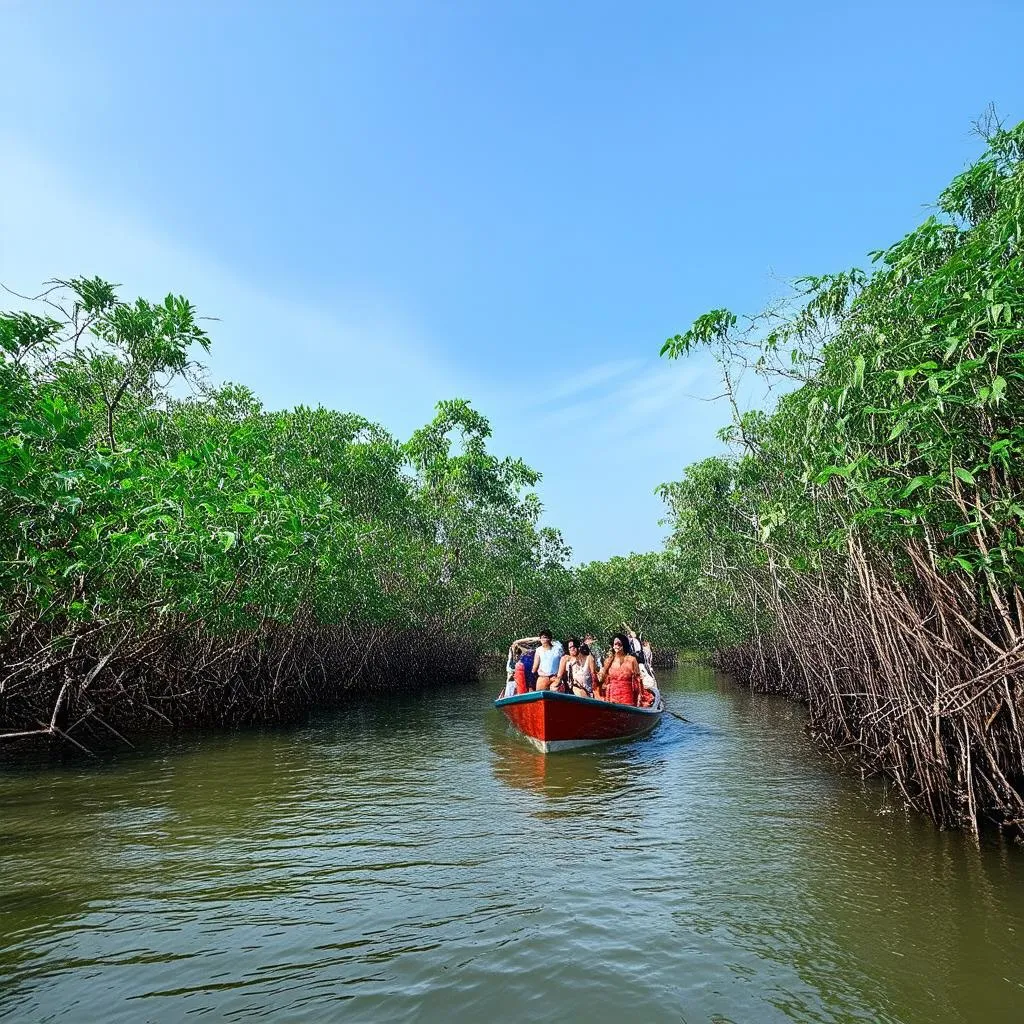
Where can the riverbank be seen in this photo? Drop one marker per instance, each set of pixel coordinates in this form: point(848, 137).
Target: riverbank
point(116, 685)
point(861, 545)
point(941, 717)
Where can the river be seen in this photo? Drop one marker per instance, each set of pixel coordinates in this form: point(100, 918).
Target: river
point(408, 858)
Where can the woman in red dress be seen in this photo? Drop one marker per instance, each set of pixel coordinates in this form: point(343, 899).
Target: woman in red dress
point(620, 676)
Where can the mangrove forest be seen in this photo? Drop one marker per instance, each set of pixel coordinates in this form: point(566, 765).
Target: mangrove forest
point(174, 553)
point(868, 531)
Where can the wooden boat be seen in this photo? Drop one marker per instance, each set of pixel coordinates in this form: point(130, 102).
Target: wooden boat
point(562, 721)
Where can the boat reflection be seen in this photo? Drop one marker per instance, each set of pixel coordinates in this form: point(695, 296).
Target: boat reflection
point(573, 779)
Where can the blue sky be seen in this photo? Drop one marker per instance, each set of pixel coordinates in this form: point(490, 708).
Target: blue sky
point(386, 204)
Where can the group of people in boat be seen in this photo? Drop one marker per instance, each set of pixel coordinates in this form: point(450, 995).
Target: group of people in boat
point(624, 675)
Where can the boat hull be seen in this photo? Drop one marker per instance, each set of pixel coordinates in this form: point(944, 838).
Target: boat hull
point(560, 721)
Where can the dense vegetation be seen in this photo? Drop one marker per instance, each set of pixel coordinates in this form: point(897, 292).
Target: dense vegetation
point(864, 546)
point(172, 551)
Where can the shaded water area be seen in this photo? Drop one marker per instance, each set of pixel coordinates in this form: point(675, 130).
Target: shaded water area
point(410, 859)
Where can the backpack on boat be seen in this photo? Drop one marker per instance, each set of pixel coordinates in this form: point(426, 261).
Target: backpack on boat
point(529, 676)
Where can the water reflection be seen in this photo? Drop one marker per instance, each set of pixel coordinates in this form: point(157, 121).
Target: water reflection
point(577, 779)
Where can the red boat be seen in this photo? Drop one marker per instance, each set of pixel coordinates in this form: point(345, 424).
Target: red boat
point(562, 721)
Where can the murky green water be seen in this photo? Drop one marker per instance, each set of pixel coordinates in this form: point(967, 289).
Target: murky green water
point(411, 860)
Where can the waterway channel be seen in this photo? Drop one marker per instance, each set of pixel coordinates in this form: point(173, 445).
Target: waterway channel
point(407, 858)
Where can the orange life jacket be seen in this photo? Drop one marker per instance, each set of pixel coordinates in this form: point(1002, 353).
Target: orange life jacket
point(520, 677)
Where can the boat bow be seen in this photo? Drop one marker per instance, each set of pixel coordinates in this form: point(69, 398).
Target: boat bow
point(554, 721)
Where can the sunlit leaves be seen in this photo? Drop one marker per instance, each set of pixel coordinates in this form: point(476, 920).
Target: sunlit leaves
point(713, 326)
point(906, 425)
point(117, 496)
point(21, 332)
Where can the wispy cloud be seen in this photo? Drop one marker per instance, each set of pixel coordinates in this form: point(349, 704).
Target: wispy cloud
point(577, 383)
point(363, 356)
point(648, 393)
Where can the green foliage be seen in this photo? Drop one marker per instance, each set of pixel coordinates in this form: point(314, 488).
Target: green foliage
point(905, 429)
point(711, 327)
point(121, 500)
point(118, 500)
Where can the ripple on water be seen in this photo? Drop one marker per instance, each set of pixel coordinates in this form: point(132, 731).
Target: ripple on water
point(414, 860)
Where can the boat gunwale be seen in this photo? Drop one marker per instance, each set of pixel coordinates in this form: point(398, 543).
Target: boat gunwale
point(534, 695)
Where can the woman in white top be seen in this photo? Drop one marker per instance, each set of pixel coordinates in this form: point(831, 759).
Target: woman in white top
point(547, 660)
